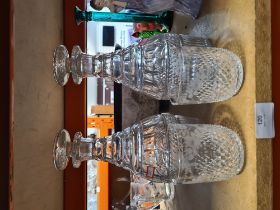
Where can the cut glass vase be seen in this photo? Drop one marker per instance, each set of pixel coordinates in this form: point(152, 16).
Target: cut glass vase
point(161, 148)
point(179, 68)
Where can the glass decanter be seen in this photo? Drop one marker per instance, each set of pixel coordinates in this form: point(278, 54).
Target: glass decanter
point(181, 68)
point(161, 148)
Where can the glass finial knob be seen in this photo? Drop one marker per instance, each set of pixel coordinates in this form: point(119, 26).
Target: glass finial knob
point(61, 65)
point(60, 153)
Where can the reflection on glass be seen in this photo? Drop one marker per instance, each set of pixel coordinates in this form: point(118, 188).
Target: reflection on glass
point(100, 93)
point(143, 194)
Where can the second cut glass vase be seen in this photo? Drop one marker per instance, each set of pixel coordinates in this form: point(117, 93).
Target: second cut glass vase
point(161, 148)
point(179, 68)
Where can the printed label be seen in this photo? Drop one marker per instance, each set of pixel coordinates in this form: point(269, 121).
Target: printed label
point(265, 120)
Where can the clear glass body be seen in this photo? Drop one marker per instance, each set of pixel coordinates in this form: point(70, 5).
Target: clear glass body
point(162, 148)
point(145, 194)
point(184, 69)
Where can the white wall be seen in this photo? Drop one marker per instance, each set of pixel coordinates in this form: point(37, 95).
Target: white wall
point(94, 34)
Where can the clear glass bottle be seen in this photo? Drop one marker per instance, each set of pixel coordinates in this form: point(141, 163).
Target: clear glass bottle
point(181, 68)
point(161, 148)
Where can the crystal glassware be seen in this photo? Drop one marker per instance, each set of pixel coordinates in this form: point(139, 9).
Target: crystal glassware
point(181, 68)
point(145, 194)
point(161, 148)
point(164, 18)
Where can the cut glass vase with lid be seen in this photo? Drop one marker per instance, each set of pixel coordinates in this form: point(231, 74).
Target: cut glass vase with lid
point(161, 148)
point(180, 68)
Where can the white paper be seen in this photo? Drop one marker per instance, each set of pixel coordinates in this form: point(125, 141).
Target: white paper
point(265, 120)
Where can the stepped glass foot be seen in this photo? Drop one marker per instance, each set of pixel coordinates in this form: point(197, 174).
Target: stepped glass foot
point(77, 74)
point(60, 153)
point(63, 65)
point(76, 143)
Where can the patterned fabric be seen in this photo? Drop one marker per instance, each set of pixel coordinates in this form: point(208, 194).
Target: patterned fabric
point(187, 7)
